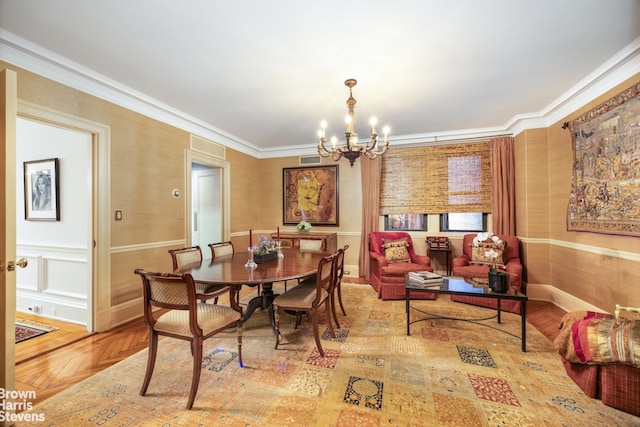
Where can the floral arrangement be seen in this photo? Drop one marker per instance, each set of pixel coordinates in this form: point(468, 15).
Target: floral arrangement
point(492, 254)
point(483, 237)
point(303, 226)
point(265, 246)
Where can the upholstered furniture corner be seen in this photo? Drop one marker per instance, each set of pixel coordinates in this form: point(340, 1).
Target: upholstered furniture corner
point(463, 267)
point(388, 278)
point(586, 346)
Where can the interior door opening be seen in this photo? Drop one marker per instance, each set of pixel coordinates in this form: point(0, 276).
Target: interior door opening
point(206, 205)
point(207, 218)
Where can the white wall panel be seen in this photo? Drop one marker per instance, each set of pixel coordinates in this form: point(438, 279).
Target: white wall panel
point(61, 277)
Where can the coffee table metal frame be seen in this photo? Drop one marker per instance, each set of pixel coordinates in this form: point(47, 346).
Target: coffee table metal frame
point(466, 287)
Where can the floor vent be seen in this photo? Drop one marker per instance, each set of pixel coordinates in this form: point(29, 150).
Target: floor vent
point(309, 160)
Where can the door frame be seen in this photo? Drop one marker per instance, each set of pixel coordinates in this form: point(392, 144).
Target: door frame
point(8, 118)
point(99, 291)
point(192, 156)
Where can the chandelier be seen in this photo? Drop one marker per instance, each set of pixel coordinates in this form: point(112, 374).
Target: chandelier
point(352, 149)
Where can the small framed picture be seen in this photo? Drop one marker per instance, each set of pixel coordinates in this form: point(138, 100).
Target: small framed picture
point(405, 222)
point(41, 190)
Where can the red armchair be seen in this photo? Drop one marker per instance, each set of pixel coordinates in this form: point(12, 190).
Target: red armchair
point(387, 275)
point(462, 267)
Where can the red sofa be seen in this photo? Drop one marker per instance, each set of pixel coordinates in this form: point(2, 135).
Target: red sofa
point(616, 383)
point(462, 267)
point(388, 278)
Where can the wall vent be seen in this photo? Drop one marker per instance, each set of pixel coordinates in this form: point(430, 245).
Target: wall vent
point(309, 160)
point(208, 147)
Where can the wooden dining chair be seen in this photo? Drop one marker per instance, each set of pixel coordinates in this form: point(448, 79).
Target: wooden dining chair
point(221, 248)
point(183, 256)
point(182, 317)
point(193, 255)
point(224, 249)
point(309, 299)
point(338, 272)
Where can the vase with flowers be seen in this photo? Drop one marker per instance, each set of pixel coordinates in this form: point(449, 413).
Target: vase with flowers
point(265, 251)
point(303, 227)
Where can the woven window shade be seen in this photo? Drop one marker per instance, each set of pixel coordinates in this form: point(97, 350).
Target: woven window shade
point(434, 180)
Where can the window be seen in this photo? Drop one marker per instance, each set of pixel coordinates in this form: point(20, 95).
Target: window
point(405, 222)
point(463, 221)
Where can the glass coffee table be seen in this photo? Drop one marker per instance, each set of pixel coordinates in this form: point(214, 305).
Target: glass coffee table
point(466, 287)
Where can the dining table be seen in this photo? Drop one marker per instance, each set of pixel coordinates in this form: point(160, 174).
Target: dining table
point(230, 270)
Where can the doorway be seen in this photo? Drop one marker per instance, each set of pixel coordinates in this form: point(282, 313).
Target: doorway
point(208, 206)
point(88, 257)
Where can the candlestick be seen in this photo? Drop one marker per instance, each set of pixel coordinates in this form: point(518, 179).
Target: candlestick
point(278, 234)
point(250, 239)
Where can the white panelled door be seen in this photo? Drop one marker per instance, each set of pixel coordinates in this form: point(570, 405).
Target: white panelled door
point(207, 207)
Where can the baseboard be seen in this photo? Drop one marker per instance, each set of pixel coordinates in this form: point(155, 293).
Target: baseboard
point(567, 302)
point(126, 312)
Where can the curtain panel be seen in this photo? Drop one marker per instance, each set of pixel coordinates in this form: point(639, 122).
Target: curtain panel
point(504, 186)
point(435, 180)
point(370, 174)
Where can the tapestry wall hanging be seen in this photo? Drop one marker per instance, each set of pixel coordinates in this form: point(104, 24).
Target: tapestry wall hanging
point(605, 182)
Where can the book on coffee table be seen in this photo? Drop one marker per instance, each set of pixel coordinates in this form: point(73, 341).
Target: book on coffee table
point(425, 277)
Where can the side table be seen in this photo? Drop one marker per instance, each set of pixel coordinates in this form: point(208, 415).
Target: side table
point(447, 256)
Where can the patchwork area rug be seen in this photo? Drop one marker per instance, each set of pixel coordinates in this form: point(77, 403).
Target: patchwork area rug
point(27, 329)
point(447, 373)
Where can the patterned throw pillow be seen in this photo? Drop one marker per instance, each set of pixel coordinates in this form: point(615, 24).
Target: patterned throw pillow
point(479, 253)
point(396, 250)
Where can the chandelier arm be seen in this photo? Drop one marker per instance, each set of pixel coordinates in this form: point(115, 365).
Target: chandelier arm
point(322, 148)
point(374, 141)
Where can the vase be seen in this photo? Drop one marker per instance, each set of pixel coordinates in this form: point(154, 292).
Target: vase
point(304, 231)
point(498, 282)
point(262, 258)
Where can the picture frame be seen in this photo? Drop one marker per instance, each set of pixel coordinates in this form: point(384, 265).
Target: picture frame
point(310, 194)
point(42, 190)
point(405, 222)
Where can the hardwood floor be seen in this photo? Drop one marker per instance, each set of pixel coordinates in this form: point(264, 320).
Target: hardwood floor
point(67, 333)
point(59, 367)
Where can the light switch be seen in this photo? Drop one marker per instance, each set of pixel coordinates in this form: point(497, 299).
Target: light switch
point(118, 215)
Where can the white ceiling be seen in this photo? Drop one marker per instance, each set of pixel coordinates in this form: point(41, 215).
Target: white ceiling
point(260, 75)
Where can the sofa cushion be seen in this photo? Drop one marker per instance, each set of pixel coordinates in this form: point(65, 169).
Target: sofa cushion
point(489, 253)
point(396, 250)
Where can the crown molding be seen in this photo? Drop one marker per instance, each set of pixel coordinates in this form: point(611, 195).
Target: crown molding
point(36, 59)
point(31, 57)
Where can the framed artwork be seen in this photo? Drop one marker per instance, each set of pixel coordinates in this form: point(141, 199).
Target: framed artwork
point(405, 222)
point(310, 194)
point(41, 190)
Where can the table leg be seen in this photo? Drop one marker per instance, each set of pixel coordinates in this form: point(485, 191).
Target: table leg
point(407, 299)
point(499, 311)
point(264, 300)
point(447, 256)
point(523, 320)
